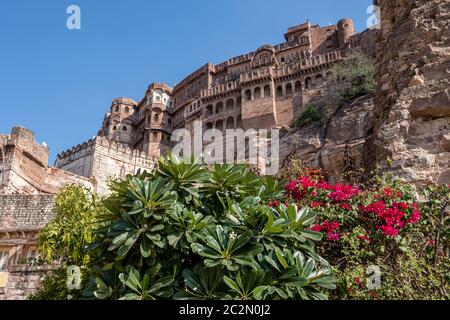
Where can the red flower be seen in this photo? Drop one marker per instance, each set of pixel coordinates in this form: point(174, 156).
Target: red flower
point(275, 203)
point(387, 192)
point(316, 204)
point(342, 192)
point(345, 206)
point(324, 185)
point(365, 238)
point(389, 231)
point(358, 280)
point(415, 217)
point(333, 236)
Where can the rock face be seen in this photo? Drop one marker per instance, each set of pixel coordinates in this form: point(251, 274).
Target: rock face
point(412, 106)
point(336, 143)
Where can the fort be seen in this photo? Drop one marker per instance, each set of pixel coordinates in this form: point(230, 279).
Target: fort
point(407, 119)
point(264, 89)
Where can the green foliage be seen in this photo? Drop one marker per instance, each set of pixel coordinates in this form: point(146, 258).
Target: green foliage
point(64, 239)
point(357, 71)
point(310, 115)
point(401, 229)
point(189, 232)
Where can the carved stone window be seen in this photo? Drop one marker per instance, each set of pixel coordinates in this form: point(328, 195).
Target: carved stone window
point(3, 261)
point(267, 90)
point(279, 91)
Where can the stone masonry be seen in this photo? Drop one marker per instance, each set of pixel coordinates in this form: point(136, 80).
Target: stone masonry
point(21, 218)
point(412, 105)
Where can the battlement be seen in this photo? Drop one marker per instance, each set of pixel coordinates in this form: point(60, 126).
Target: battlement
point(124, 101)
point(104, 142)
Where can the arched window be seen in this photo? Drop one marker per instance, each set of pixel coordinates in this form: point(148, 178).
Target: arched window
point(209, 125)
point(288, 89)
point(117, 108)
point(298, 86)
point(1, 156)
point(219, 107)
point(127, 110)
point(279, 91)
point(248, 95)
point(257, 93)
point(267, 91)
point(239, 122)
point(230, 104)
point(219, 125)
point(319, 80)
point(308, 83)
point(124, 128)
point(155, 136)
point(230, 123)
point(209, 110)
point(170, 122)
point(114, 128)
point(156, 117)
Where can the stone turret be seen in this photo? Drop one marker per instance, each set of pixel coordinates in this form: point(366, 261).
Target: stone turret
point(346, 29)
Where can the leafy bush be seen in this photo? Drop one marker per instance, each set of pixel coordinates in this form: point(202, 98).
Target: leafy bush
point(381, 225)
point(353, 77)
point(188, 232)
point(63, 240)
point(310, 115)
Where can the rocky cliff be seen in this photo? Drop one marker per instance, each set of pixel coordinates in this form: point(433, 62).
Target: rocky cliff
point(334, 143)
point(409, 120)
point(412, 106)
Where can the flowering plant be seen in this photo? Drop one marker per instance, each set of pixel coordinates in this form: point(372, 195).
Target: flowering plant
point(380, 223)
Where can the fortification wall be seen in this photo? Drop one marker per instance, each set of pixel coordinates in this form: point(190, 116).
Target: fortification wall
point(104, 160)
point(25, 169)
point(21, 218)
point(113, 160)
point(21, 211)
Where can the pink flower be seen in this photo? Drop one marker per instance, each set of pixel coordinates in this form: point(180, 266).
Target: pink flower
point(316, 204)
point(389, 231)
point(415, 217)
point(333, 236)
point(342, 192)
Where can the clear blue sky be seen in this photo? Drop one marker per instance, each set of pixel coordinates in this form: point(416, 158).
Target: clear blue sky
point(59, 82)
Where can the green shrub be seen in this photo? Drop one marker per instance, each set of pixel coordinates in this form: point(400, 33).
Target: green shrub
point(64, 239)
point(382, 224)
point(310, 115)
point(357, 71)
point(188, 232)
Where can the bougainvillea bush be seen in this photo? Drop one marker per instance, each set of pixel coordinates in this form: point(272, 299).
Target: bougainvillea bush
point(382, 241)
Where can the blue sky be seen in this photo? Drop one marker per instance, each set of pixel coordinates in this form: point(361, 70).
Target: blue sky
point(59, 82)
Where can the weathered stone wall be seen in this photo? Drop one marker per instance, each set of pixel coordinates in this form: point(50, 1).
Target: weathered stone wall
point(104, 159)
point(21, 218)
point(24, 167)
point(412, 105)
